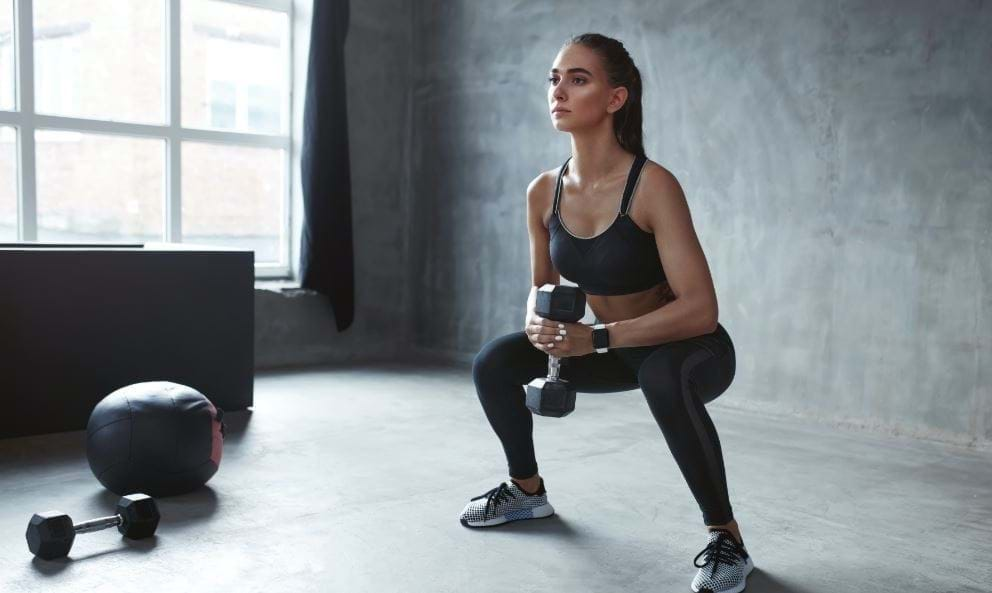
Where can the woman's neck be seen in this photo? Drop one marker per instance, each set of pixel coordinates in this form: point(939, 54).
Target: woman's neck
point(595, 161)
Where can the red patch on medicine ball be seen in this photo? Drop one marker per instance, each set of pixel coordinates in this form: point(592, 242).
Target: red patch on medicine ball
point(217, 444)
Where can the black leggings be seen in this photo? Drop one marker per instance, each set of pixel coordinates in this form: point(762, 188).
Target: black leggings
point(677, 379)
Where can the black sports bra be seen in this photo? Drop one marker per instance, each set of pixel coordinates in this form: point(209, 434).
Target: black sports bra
point(623, 259)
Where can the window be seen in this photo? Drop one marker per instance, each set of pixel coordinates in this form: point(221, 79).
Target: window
point(6, 55)
point(57, 52)
point(168, 121)
point(8, 184)
point(223, 104)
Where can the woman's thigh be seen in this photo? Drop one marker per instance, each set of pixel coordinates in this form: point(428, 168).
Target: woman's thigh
point(516, 360)
point(709, 360)
point(714, 374)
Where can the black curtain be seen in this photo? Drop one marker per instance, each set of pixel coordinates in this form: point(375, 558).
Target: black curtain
point(326, 255)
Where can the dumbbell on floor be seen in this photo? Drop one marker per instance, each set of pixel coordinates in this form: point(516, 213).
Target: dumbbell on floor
point(552, 395)
point(50, 534)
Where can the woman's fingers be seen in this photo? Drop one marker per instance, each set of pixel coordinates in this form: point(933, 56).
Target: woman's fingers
point(537, 319)
point(546, 338)
point(546, 331)
point(546, 326)
point(556, 344)
point(546, 334)
point(548, 341)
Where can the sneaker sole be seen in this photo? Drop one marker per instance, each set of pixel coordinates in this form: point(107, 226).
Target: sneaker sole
point(541, 512)
point(748, 567)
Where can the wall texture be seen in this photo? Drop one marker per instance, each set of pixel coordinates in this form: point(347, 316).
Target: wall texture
point(836, 156)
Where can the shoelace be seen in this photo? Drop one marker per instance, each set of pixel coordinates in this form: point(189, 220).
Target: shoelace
point(495, 496)
point(721, 549)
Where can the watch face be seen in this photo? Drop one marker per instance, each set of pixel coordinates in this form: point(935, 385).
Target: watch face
point(600, 338)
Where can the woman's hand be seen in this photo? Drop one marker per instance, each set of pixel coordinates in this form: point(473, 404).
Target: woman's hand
point(559, 338)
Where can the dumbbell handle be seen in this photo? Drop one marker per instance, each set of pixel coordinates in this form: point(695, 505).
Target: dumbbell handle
point(553, 367)
point(98, 524)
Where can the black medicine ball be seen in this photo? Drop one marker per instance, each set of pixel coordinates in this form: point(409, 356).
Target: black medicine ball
point(158, 437)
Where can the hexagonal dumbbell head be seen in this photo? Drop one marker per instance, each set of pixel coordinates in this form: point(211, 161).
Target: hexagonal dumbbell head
point(140, 516)
point(50, 535)
point(550, 398)
point(560, 303)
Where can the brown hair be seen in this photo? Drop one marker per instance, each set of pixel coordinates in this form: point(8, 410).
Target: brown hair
point(628, 122)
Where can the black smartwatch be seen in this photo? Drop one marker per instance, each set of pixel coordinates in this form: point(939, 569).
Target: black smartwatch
point(600, 338)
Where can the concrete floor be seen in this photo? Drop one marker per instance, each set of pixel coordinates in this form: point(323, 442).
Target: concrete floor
point(352, 480)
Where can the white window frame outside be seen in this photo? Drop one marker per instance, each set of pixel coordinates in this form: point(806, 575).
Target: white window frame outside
point(27, 122)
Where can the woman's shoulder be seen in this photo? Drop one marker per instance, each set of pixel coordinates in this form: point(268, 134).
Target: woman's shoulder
point(658, 196)
point(542, 187)
point(658, 179)
point(656, 171)
point(540, 195)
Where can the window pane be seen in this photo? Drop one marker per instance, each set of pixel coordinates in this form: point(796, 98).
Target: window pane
point(7, 55)
point(235, 67)
point(8, 184)
point(222, 108)
point(233, 196)
point(100, 59)
point(95, 187)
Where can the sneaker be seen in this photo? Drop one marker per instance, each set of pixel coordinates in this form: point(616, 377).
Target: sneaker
point(726, 565)
point(504, 503)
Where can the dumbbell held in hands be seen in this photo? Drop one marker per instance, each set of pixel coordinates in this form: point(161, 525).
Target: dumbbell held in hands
point(552, 395)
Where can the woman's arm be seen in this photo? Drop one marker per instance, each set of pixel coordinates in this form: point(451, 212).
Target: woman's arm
point(694, 311)
point(542, 271)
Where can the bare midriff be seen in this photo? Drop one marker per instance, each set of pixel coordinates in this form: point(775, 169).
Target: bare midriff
point(610, 308)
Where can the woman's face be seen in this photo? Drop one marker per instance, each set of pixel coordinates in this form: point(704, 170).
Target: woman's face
point(577, 83)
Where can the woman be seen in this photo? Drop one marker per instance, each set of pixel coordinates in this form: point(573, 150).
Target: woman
point(618, 226)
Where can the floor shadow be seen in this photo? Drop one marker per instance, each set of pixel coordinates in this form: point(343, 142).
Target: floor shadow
point(759, 580)
point(198, 505)
point(175, 510)
point(236, 425)
point(47, 449)
point(553, 526)
point(128, 546)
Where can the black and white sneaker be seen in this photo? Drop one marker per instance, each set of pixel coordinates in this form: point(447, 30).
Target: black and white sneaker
point(725, 567)
point(504, 503)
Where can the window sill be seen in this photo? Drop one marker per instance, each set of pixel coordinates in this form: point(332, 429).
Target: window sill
point(282, 285)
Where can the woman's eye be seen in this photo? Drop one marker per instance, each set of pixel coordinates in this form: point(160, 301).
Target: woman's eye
point(552, 79)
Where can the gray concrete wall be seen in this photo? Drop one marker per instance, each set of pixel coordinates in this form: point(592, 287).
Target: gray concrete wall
point(296, 327)
point(837, 158)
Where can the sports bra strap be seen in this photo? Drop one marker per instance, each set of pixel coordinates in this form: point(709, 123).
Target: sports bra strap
point(558, 185)
point(632, 178)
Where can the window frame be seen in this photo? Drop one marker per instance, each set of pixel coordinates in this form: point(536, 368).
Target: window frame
point(26, 121)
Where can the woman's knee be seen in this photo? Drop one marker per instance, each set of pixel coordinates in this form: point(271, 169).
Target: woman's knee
point(500, 356)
